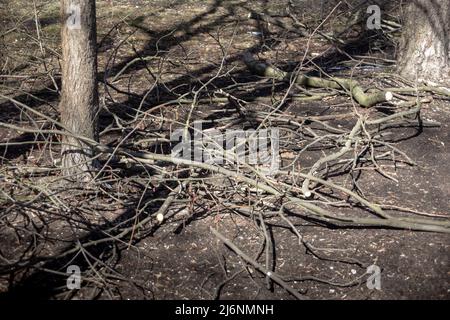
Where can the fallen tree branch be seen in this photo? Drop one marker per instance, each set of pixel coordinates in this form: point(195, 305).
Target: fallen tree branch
point(317, 212)
point(352, 86)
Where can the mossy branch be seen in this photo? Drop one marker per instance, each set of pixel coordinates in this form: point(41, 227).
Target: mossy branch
point(351, 86)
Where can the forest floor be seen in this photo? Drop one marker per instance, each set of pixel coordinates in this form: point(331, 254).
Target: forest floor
point(180, 45)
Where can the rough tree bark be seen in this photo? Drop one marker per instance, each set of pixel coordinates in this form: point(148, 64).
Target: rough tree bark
point(79, 102)
point(424, 47)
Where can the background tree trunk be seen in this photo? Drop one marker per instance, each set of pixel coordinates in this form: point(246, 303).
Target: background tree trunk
point(424, 47)
point(79, 103)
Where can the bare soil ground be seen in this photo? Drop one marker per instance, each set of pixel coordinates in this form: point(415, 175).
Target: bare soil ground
point(179, 45)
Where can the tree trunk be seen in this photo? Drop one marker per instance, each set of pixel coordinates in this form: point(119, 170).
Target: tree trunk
point(424, 47)
point(79, 103)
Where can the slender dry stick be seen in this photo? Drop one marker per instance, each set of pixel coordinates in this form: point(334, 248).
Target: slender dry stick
point(258, 266)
